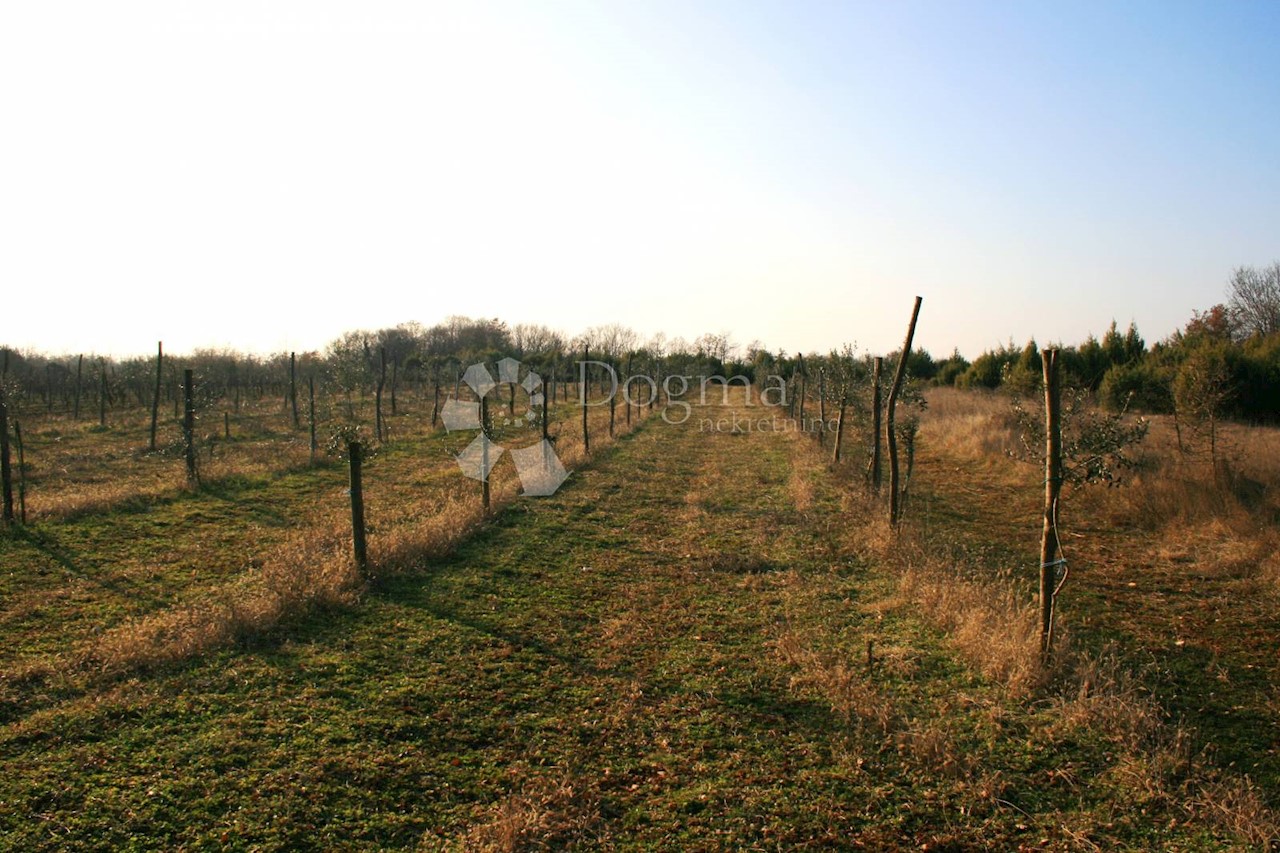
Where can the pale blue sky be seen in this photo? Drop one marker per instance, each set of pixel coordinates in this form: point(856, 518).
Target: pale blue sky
point(268, 175)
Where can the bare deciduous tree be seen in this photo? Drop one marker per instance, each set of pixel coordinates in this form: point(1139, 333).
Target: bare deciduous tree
point(1254, 302)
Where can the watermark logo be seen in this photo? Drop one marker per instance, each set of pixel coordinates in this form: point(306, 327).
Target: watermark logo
point(540, 469)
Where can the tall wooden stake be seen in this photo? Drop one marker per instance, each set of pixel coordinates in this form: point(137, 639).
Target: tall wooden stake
point(189, 424)
point(6, 471)
point(22, 473)
point(1052, 488)
point(358, 543)
point(876, 407)
point(79, 371)
point(311, 406)
point(484, 454)
point(822, 410)
point(435, 403)
point(835, 454)
point(293, 388)
point(586, 434)
point(382, 381)
point(155, 400)
point(102, 396)
point(898, 376)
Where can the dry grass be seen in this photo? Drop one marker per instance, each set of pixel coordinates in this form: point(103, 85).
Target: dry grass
point(314, 569)
point(544, 814)
point(842, 685)
point(1208, 531)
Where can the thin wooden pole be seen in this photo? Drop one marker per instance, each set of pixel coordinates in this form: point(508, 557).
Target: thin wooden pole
point(586, 434)
point(79, 371)
point(546, 436)
point(484, 453)
point(382, 381)
point(6, 471)
point(311, 406)
point(835, 454)
point(898, 376)
point(876, 407)
point(359, 544)
point(435, 403)
point(625, 386)
point(613, 405)
point(822, 410)
point(102, 396)
point(155, 400)
point(1052, 489)
point(189, 424)
point(293, 388)
point(22, 473)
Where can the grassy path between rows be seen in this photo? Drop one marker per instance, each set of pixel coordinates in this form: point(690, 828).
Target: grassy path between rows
point(670, 653)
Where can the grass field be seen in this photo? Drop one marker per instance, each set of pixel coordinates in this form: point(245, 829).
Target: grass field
point(704, 640)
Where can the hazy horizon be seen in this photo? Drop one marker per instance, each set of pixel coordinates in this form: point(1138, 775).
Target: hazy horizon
point(266, 178)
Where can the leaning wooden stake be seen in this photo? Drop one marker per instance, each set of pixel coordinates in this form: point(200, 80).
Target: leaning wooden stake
point(876, 407)
point(358, 542)
point(898, 376)
point(1049, 549)
point(155, 400)
point(189, 424)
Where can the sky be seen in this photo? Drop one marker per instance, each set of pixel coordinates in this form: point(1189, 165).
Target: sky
point(268, 175)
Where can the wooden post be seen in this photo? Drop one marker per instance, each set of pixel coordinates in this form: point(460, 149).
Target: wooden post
point(546, 435)
point(382, 381)
point(835, 455)
point(1052, 488)
point(395, 380)
point(79, 371)
point(102, 396)
point(293, 388)
point(898, 376)
point(586, 434)
point(484, 454)
point(6, 471)
point(822, 412)
point(625, 387)
point(22, 473)
point(800, 394)
point(358, 542)
point(876, 406)
point(155, 400)
point(613, 405)
point(435, 403)
point(189, 424)
point(311, 406)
